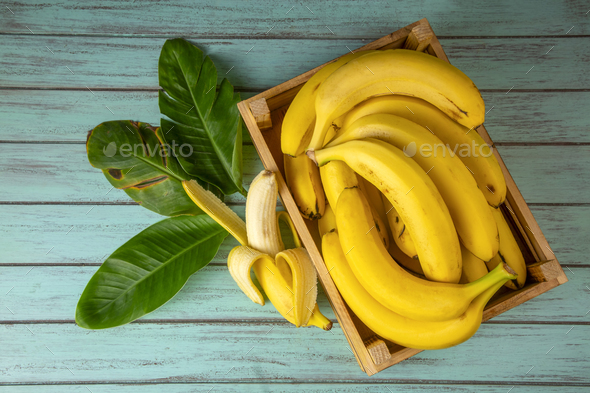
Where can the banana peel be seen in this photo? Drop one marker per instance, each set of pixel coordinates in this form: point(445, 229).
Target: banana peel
point(288, 278)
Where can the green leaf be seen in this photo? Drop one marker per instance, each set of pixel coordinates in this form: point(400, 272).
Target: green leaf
point(134, 157)
point(148, 270)
point(200, 117)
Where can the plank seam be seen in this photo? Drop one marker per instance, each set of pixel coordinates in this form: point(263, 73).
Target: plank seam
point(248, 143)
point(255, 90)
point(263, 37)
point(253, 321)
point(275, 381)
point(229, 203)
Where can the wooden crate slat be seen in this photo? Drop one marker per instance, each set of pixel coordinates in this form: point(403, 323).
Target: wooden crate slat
point(131, 62)
point(188, 352)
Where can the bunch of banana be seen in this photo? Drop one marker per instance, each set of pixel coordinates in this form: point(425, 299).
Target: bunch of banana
point(482, 165)
point(287, 277)
point(411, 230)
point(392, 325)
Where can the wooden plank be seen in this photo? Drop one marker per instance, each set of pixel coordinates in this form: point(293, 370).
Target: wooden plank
point(544, 174)
point(269, 352)
point(50, 293)
point(254, 19)
point(63, 173)
point(131, 63)
point(292, 387)
point(75, 234)
point(27, 232)
point(61, 115)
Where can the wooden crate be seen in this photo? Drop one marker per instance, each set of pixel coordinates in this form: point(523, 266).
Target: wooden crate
point(263, 115)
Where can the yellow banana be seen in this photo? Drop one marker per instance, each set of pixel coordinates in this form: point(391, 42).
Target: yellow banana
point(467, 205)
point(304, 281)
point(217, 210)
point(391, 285)
point(380, 226)
point(261, 219)
point(336, 176)
point(279, 292)
point(287, 277)
point(398, 71)
point(414, 196)
point(392, 326)
point(509, 251)
point(328, 221)
point(495, 261)
point(473, 267)
point(284, 216)
point(402, 259)
point(240, 261)
point(303, 179)
point(373, 195)
point(400, 235)
point(297, 127)
point(478, 158)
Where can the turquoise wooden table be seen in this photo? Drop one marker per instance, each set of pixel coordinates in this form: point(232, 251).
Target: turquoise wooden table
point(67, 66)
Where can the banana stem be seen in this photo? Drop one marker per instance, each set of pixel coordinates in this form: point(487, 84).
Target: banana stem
point(501, 273)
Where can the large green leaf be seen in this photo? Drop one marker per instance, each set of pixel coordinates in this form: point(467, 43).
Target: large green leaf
point(133, 157)
point(148, 270)
point(200, 117)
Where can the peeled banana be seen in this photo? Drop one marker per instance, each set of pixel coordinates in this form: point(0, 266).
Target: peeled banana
point(303, 179)
point(467, 205)
point(395, 327)
point(414, 196)
point(261, 220)
point(279, 292)
point(467, 144)
point(398, 71)
point(391, 285)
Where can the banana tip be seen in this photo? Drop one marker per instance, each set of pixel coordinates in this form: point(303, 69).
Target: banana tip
point(328, 326)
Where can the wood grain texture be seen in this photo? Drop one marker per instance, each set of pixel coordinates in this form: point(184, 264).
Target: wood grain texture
point(168, 355)
point(131, 63)
point(253, 19)
point(295, 387)
point(50, 293)
point(63, 173)
point(268, 352)
point(27, 232)
point(54, 115)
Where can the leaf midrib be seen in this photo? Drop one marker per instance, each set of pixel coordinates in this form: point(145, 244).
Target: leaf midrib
point(152, 272)
point(162, 168)
point(205, 124)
